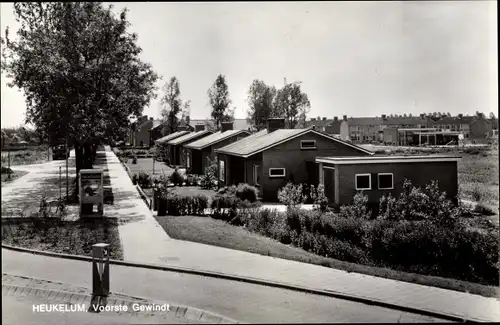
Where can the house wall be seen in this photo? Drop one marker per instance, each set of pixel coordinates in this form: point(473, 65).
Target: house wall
point(419, 173)
point(344, 131)
point(480, 129)
point(209, 152)
point(333, 128)
point(142, 134)
point(390, 135)
point(289, 156)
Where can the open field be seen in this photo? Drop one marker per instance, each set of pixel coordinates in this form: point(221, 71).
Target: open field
point(29, 156)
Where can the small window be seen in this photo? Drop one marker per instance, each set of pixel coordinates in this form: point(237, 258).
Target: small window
point(276, 172)
point(363, 182)
point(222, 171)
point(385, 181)
point(308, 144)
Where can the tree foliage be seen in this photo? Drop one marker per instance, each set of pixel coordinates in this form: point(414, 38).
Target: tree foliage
point(172, 106)
point(260, 101)
point(218, 95)
point(79, 69)
point(292, 104)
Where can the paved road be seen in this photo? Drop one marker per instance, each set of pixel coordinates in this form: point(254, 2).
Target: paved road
point(19, 311)
point(241, 301)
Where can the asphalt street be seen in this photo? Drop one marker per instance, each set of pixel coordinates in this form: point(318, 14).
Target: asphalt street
point(241, 301)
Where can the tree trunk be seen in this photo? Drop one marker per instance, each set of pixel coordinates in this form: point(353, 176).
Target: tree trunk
point(87, 155)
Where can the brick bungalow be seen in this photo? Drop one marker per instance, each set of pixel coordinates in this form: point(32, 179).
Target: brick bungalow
point(272, 157)
point(176, 146)
point(375, 176)
point(199, 153)
point(141, 137)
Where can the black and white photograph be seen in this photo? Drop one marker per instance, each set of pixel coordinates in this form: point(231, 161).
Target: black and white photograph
point(249, 162)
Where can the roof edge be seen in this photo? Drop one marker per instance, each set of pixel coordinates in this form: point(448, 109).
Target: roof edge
point(217, 141)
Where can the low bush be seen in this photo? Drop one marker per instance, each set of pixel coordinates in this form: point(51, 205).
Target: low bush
point(180, 205)
point(135, 178)
point(359, 208)
point(318, 198)
point(209, 179)
point(144, 180)
point(246, 192)
point(227, 190)
point(291, 195)
point(134, 160)
point(192, 180)
point(484, 210)
point(6, 170)
point(176, 178)
point(224, 206)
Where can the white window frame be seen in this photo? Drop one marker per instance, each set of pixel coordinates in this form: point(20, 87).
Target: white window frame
point(272, 176)
point(385, 174)
point(307, 148)
point(256, 174)
point(356, 182)
point(222, 170)
point(188, 160)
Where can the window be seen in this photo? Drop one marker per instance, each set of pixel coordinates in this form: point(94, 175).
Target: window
point(256, 176)
point(363, 182)
point(385, 181)
point(308, 144)
point(222, 171)
point(276, 172)
point(188, 160)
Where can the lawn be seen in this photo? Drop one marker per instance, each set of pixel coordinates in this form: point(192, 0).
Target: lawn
point(146, 165)
point(219, 233)
point(15, 174)
point(25, 157)
point(60, 236)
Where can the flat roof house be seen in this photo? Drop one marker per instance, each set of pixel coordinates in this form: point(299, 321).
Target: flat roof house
point(199, 153)
point(171, 136)
point(375, 176)
point(272, 157)
point(176, 150)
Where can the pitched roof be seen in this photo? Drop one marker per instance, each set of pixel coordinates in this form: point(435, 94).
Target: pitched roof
point(171, 136)
point(455, 120)
point(156, 123)
point(414, 120)
point(213, 139)
point(189, 136)
point(257, 143)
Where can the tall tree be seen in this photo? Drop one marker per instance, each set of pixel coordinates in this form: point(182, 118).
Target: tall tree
point(172, 105)
point(492, 116)
point(291, 103)
point(218, 95)
point(80, 72)
point(260, 102)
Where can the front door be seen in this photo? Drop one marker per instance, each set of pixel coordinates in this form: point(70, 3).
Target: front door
point(256, 172)
point(329, 182)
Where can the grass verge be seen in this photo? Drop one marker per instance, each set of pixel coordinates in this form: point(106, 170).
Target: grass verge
point(13, 176)
point(219, 233)
point(60, 236)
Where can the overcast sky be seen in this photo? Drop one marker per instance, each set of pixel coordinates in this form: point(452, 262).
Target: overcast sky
point(353, 58)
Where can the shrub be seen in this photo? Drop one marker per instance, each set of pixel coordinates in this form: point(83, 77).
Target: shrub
point(291, 195)
point(246, 192)
point(209, 179)
point(6, 170)
point(180, 205)
point(135, 178)
point(358, 209)
point(224, 206)
point(483, 210)
point(134, 160)
point(144, 180)
point(176, 178)
point(318, 197)
point(227, 190)
point(192, 180)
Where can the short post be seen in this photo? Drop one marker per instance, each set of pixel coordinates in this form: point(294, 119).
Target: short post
point(154, 164)
point(100, 275)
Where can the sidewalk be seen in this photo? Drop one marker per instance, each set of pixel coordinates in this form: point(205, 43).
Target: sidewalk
point(144, 240)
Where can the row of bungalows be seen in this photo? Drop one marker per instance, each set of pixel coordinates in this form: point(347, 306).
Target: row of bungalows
point(270, 158)
point(200, 154)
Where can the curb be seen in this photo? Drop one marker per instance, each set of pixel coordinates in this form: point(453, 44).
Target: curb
point(144, 197)
point(280, 285)
point(183, 312)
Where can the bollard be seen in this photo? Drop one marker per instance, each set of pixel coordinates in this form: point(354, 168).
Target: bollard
point(100, 275)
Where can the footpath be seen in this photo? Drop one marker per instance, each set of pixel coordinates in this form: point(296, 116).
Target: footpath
point(145, 241)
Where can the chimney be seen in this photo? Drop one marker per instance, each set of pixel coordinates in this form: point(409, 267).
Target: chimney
point(335, 118)
point(226, 126)
point(150, 118)
point(384, 117)
point(199, 127)
point(313, 119)
point(324, 118)
point(422, 116)
point(274, 124)
point(345, 117)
